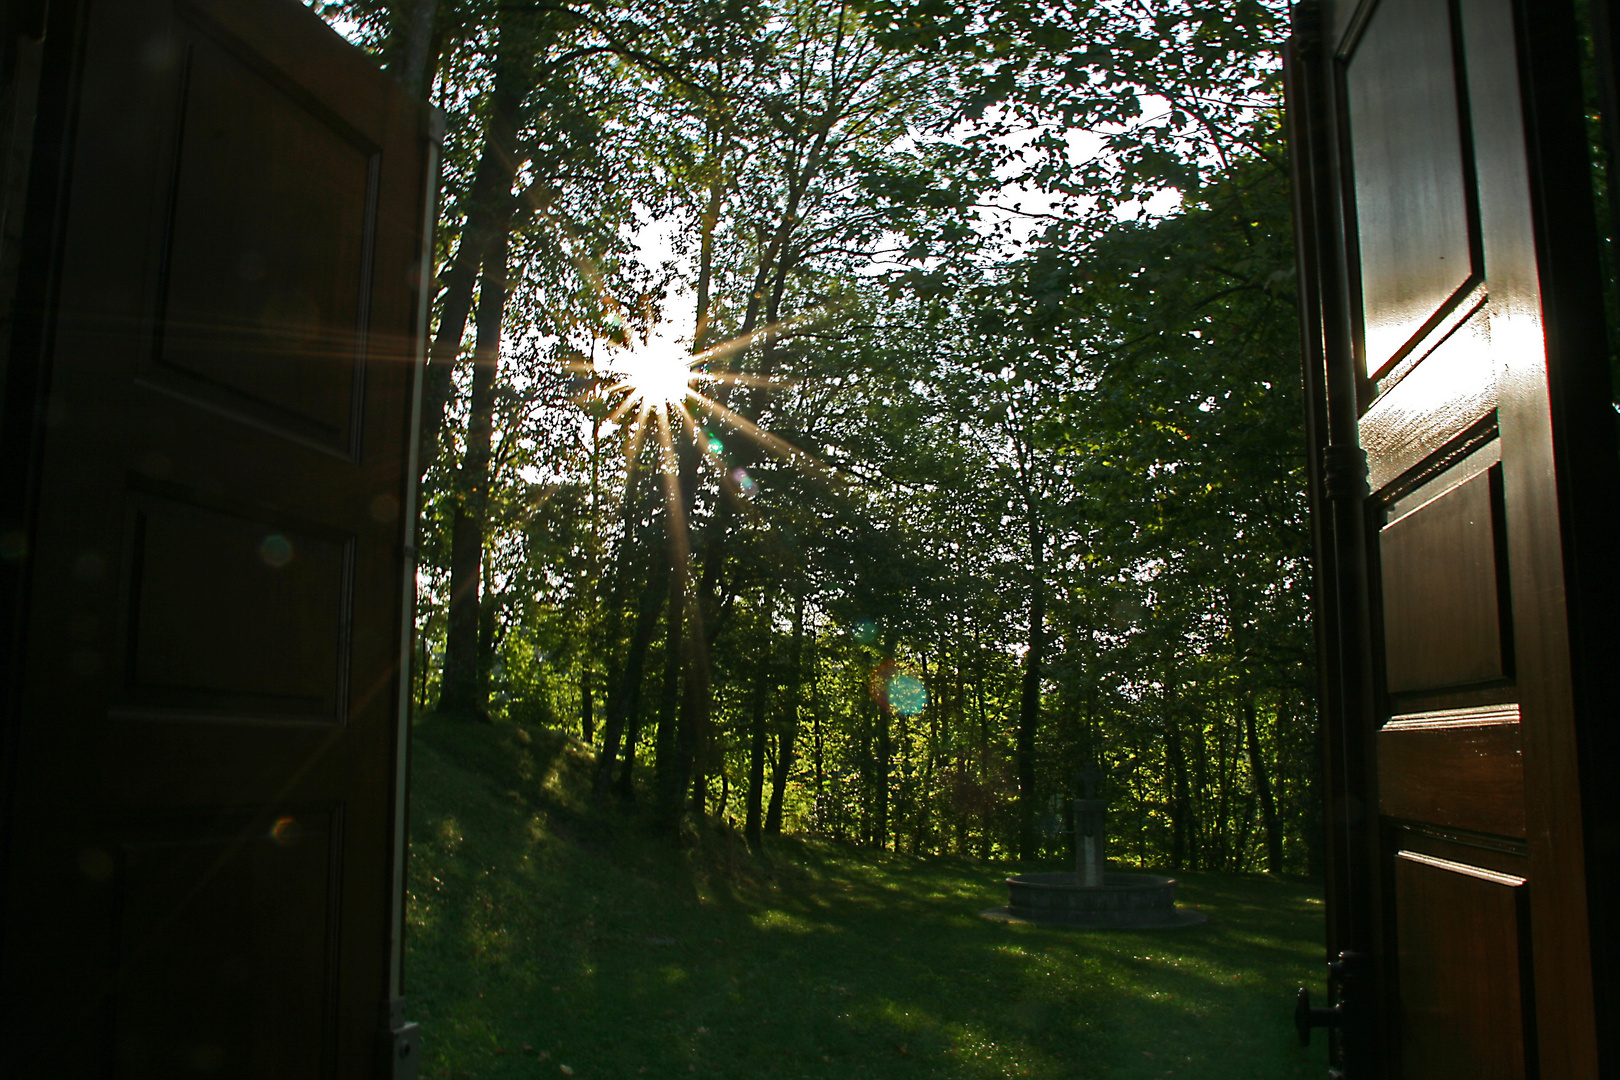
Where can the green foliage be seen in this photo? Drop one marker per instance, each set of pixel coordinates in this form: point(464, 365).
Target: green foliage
point(946, 439)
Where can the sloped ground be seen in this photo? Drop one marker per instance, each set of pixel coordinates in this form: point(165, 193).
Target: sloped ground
point(549, 938)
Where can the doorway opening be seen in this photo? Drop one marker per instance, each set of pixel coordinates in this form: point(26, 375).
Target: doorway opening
point(844, 425)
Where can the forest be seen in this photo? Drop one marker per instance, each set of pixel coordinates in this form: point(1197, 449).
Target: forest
point(854, 417)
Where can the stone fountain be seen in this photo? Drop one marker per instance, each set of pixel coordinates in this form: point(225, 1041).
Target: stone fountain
point(1093, 896)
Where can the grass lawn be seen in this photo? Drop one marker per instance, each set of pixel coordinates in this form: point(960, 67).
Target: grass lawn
point(548, 938)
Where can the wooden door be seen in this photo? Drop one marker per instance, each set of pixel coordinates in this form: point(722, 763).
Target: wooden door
point(208, 422)
point(1464, 492)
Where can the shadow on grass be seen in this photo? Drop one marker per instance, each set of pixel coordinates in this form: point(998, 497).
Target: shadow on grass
point(546, 933)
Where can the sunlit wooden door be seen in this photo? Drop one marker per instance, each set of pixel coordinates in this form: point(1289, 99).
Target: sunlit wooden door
point(1465, 492)
point(217, 319)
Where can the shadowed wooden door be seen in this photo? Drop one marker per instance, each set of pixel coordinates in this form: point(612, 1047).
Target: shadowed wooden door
point(217, 327)
point(1464, 491)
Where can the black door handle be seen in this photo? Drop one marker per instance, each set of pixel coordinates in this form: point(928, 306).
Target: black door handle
point(1307, 1016)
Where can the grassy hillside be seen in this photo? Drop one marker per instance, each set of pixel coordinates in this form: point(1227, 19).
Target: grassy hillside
point(550, 938)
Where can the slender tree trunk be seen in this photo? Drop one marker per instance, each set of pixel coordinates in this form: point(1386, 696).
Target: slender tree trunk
point(754, 820)
point(624, 697)
point(1176, 758)
point(986, 839)
point(625, 786)
point(685, 622)
point(1029, 711)
point(818, 745)
point(692, 736)
point(1262, 786)
point(489, 215)
point(412, 50)
point(669, 695)
point(488, 625)
point(789, 728)
point(463, 694)
point(587, 710)
point(884, 752)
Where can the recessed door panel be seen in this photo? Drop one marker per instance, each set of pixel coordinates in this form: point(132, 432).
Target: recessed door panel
point(1443, 392)
point(1459, 938)
point(233, 615)
point(1412, 186)
point(264, 302)
point(1460, 769)
point(225, 944)
point(1443, 623)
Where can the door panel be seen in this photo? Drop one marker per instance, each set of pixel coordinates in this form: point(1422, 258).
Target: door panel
point(224, 946)
point(1439, 560)
point(1451, 276)
point(1460, 768)
point(1458, 927)
point(1444, 386)
point(1413, 192)
point(263, 304)
point(233, 618)
point(201, 866)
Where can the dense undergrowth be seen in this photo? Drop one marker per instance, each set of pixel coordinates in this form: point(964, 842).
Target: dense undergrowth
point(548, 937)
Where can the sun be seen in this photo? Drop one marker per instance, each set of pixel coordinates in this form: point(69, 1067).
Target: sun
point(658, 371)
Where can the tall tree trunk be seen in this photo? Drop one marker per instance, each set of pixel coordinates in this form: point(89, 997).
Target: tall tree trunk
point(1029, 710)
point(464, 694)
point(884, 752)
point(1262, 786)
point(412, 49)
point(669, 696)
point(692, 735)
point(789, 726)
point(587, 710)
point(489, 217)
point(624, 696)
point(489, 637)
point(818, 750)
point(685, 623)
point(754, 820)
point(624, 686)
point(1196, 754)
point(625, 786)
point(1176, 758)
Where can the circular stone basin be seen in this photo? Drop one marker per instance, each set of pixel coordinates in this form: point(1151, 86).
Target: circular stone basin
point(1124, 900)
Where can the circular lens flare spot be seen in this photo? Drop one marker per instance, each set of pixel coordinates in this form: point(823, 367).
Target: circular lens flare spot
point(745, 483)
point(907, 695)
point(276, 551)
point(285, 831)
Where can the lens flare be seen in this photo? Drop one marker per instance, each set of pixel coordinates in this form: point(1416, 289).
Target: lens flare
point(276, 551)
point(285, 831)
point(907, 695)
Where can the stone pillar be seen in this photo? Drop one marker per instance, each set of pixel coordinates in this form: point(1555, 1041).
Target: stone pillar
point(1090, 855)
point(1090, 820)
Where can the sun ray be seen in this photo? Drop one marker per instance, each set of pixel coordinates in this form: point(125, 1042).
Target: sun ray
point(779, 447)
point(728, 477)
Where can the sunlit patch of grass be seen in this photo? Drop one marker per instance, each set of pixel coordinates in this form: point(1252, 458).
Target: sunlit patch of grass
point(543, 932)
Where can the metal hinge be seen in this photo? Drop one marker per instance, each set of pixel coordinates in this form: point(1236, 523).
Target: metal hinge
point(1344, 473)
